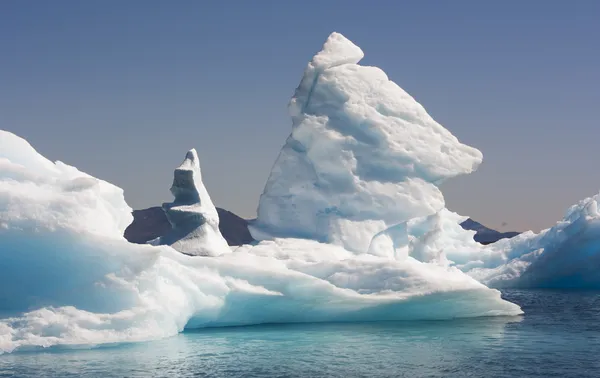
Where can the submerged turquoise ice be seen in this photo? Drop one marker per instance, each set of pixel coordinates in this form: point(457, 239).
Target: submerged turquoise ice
point(558, 336)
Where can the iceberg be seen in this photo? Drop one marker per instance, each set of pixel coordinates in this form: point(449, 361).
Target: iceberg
point(68, 276)
point(361, 170)
point(362, 156)
point(565, 256)
point(192, 215)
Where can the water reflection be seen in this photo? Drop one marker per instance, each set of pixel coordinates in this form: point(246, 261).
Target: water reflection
point(559, 335)
point(326, 349)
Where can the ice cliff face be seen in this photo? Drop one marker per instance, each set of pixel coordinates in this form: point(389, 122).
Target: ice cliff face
point(361, 170)
point(192, 215)
point(363, 156)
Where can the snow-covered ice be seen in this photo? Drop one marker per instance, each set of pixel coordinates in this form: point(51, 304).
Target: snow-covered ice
point(69, 277)
point(363, 156)
point(361, 169)
point(193, 217)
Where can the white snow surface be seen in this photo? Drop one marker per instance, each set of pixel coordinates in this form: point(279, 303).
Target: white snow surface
point(363, 156)
point(68, 277)
point(193, 217)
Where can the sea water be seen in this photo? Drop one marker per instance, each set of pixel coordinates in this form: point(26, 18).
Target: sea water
point(559, 336)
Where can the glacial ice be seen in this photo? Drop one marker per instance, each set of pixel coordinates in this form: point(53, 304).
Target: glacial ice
point(193, 217)
point(564, 256)
point(68, 277)
point(363, 156)
point(361, 169)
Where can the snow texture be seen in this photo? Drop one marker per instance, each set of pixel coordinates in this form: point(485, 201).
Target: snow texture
point(192, 215)
point(363, 156)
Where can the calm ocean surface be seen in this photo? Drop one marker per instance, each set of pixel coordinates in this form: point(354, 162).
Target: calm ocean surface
point(559, 336)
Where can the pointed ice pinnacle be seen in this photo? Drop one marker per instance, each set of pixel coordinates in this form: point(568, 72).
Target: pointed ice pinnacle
point(193, 217)
point(363, 156)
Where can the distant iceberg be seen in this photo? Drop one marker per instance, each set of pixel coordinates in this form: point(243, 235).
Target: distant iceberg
point(192, 215)
point(363, 164)
point(566, 256)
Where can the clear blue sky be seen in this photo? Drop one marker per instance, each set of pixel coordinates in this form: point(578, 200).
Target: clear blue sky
point(121, 89)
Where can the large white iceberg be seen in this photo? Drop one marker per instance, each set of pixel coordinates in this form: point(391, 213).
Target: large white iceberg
point(361, 169)
point(69, 277)
point(363, 156)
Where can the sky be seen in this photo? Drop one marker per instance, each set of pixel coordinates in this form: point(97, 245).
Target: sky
point(122, 89)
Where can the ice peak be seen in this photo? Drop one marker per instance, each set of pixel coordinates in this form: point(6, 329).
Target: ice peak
point(336, 51)
point(363, 156)
point(192, 155)
point(193, 217)
point(191, 161)
point(186, 178)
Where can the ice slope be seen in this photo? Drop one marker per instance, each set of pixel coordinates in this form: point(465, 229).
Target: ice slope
point(430, 239)
point(68, 277)
point(363, 156)
point(192, 215)
point(564, 256)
